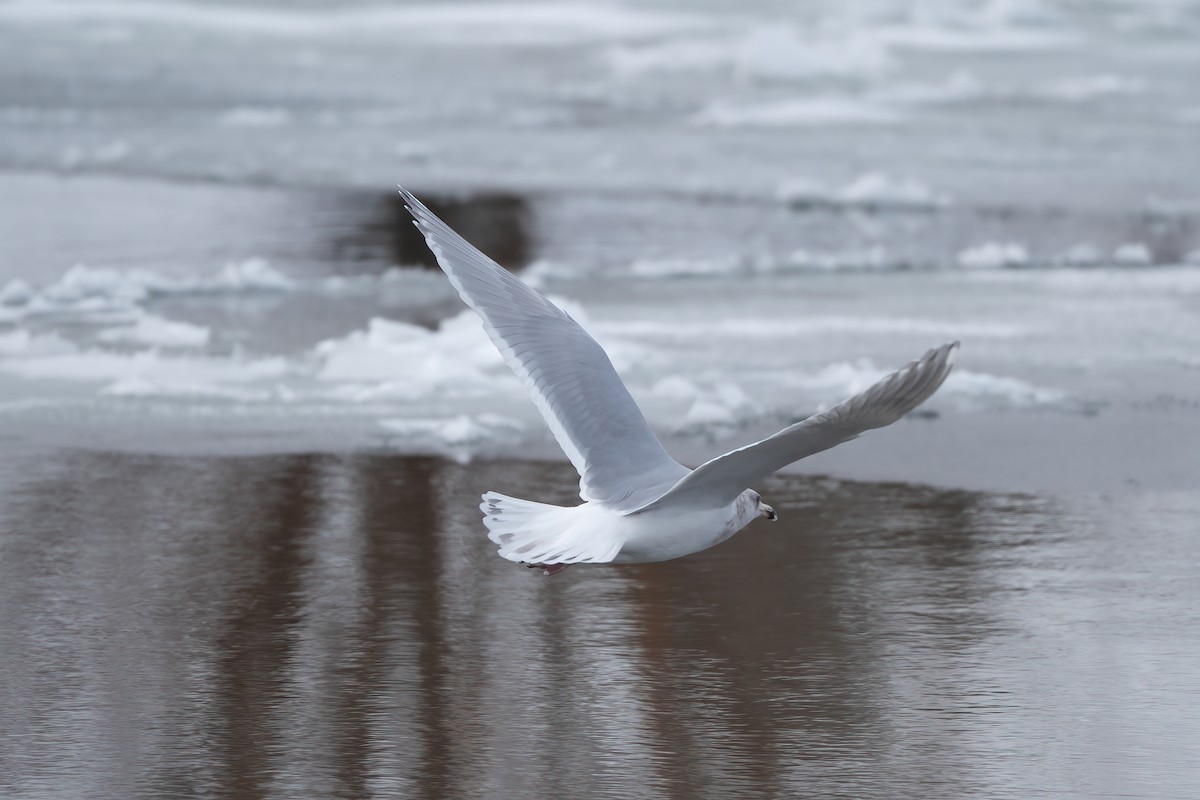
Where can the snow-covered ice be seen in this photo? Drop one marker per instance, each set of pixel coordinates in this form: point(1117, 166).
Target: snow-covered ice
point(993, 255)
point(755, 209)
point(868, 190)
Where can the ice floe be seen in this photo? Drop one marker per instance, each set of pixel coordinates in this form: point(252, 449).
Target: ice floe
point(993, 255)
point(153, 330)
point(103, 290)
point(868, 190)
point(964, 389)
point(1082, 254)
point(492, 23)
point(460, 437)
point(150, 368)
point(1132, 254)
point(810, 325)
point(397, 359)
point(255, 117)
point(1088, 87)
point(795, 111)
point(777, 52)
point(25, 343)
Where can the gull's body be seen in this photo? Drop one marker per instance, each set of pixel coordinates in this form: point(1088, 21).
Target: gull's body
point(640, 504)
point(653, 535)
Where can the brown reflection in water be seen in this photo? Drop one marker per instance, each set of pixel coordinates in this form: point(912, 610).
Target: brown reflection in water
point(757, 610)
point(340, 622)
point(806, 626)
point(256, 644)
point(498, 223)
point(399, 506)
point(364, 657)
point(689, 768)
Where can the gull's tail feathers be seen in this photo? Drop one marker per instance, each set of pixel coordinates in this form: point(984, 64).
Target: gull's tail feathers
point(543, 534)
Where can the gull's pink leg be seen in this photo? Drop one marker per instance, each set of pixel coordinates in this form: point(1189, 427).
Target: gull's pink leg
point(549, 569)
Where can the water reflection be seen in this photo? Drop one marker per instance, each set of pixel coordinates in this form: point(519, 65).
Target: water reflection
point(167, 227)
point(381, 232)
point(336, 626)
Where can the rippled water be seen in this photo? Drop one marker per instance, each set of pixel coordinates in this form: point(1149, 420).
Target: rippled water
point(338, 626)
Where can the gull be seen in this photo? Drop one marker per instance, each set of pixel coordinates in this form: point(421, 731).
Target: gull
point(640, 505)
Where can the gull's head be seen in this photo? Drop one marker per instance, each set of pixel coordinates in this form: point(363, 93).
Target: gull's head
point(761, 508)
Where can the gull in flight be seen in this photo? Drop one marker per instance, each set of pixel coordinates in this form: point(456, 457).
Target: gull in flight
point(639, 504)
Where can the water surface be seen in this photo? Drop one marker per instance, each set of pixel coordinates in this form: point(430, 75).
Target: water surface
point(338, 626)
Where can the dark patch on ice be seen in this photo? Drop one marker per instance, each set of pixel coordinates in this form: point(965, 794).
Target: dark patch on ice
point(1171, 233)
point(303, 231)
point(498, 223)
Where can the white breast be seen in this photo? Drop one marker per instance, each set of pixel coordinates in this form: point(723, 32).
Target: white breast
point(663, 535)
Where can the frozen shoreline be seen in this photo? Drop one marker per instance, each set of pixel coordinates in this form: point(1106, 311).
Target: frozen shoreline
point(279, 355)
point(1018, 452)
point(758, 211)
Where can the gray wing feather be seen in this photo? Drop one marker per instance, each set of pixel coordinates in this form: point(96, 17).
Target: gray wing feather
point(621, 463)
point(718, 482)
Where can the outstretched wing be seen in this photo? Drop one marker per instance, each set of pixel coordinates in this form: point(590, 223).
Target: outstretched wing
point(718, 482)
point(621, 463)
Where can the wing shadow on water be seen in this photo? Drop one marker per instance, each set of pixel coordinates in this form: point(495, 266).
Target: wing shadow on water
point(253, 627)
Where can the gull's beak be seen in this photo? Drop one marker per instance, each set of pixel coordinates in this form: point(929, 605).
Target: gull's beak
point(765, 510)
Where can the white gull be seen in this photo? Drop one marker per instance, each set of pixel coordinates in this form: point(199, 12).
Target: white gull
point(639, 504)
